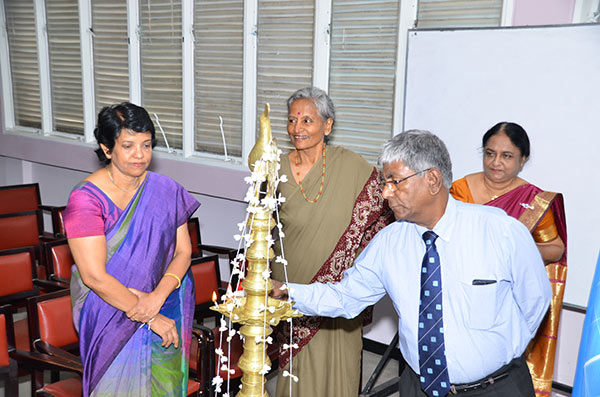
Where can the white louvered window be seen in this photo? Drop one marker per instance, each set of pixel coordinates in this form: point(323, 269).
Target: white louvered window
point(111, 74)
point(362, 73)
point(218, 58)
point(285, 58)
point(20, 26)
point(62, 21)
point(455, 13)
point(161, 59)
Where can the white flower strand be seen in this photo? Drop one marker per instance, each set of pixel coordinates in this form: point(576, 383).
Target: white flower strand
point(267, 273)
point(258, 176)
point(281, 259)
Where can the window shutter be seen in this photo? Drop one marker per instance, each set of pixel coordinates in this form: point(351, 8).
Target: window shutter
point(219, 40)
point(362, 74)
point(20, 25)
point(62, 19)
point(285, 58)
point(454, 13)
point(161, 58)
point(111, 74)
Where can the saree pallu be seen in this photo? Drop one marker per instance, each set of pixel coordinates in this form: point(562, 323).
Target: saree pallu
point(322, 241)
point(530, 205)
point(122, 357)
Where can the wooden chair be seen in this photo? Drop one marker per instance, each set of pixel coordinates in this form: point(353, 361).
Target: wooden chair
point(18, 281)
point(197, 247)
point(24, 229)
point(8, 366)
point(58, 224)
point(58, 261)
point(19, 360)
point(19, 198)
point(52, 334)
point(207, 278)
point(17, 284)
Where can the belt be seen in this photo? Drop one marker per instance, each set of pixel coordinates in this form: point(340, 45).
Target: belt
point(482, 384)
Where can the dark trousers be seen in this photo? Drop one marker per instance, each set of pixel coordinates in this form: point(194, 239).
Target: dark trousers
point(518, 383)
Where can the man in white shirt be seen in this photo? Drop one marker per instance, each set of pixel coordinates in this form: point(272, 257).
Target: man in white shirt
point(475, 268)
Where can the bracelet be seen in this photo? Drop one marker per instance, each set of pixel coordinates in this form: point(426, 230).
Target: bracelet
point(149, 321)
point(176, 278)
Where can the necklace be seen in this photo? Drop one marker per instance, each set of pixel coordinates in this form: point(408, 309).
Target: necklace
point(322, 180)
point(119, 187)
point(495, 196)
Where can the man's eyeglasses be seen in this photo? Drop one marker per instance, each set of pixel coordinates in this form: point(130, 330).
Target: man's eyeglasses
point(394, 182)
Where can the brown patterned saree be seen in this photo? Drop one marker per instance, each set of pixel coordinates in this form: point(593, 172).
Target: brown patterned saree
point(322, 240)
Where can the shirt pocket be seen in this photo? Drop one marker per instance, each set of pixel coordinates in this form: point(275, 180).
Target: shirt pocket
point(481, 297)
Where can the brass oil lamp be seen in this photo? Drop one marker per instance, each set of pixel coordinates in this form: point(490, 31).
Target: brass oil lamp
point(256, 311)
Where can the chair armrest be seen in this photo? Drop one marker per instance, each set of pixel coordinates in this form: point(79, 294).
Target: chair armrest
point(205, 356)
point(201, 331)
point(217, 249)
point(61, 280)
point(42, 361)
point(46, 348)
point(50, 285)
point(49, 238)
point(48, 208)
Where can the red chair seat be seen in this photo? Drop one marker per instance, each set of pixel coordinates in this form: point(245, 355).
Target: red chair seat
point(68, 388)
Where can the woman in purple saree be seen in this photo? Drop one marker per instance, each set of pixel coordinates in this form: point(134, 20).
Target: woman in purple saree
point(131, 292)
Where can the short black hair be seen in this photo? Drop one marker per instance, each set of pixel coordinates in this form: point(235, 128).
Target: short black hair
point(112, 120)
point(514, 132)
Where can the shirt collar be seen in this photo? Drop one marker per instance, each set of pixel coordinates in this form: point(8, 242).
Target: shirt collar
point(443, 228)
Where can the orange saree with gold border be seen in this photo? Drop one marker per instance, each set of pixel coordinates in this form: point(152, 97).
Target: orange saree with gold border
point(544, 215)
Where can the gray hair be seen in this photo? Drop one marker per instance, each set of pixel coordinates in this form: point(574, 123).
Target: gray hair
point(419, 150)
point(319, 98)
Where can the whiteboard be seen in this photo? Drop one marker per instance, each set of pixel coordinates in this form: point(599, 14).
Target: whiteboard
point(459, 83)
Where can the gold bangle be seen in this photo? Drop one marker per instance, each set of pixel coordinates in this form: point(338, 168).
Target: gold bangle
point(176, 278)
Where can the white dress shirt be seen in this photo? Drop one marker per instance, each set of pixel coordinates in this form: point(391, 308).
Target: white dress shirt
point(486, 324)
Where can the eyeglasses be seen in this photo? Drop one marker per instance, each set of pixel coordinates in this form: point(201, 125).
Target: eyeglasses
point(394, 182)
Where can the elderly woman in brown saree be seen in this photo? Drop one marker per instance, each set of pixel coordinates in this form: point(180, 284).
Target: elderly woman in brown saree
point(333, 208)
point(505, 151)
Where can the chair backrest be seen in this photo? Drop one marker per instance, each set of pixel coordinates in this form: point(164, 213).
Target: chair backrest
point(58, 223)
point(59, 259)
point(19, 198)
point(207, 278)
point(20, 229)
point(17, 268)
point(51, 319)
point(194, 230)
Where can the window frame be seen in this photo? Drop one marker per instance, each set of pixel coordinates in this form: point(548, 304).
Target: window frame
point(321, 64)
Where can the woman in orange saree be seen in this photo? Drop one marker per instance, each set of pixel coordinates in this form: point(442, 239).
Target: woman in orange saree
point(505, 151)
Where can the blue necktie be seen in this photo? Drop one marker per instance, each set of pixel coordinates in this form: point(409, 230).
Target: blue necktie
point(432, 353)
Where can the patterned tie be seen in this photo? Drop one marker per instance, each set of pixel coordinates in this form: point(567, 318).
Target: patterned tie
point(432, 353)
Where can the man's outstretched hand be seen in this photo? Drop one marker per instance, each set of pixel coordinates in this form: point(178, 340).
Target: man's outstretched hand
point(277, 292)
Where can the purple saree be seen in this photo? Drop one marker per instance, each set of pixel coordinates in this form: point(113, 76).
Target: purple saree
point(119, 356)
